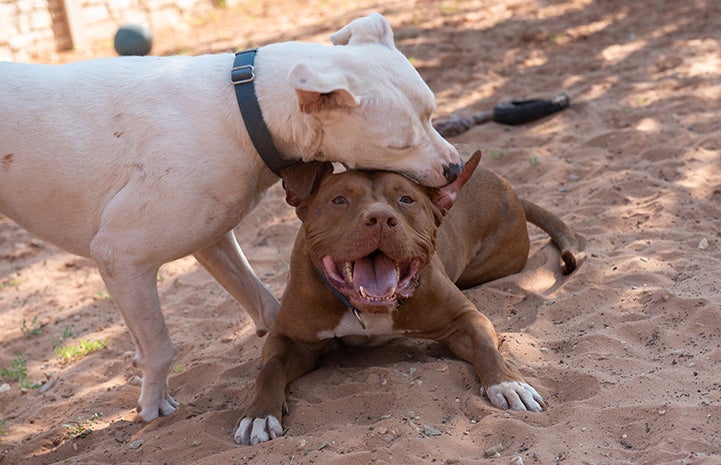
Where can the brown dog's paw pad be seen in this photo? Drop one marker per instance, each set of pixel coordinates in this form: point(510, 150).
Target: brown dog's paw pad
point(253, 431)
point(514, 395)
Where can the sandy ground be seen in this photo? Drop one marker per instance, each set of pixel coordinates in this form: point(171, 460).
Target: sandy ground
point(626, 350)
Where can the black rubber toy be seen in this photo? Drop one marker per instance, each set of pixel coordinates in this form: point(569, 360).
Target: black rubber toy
point(523, 111)
point(511, 112)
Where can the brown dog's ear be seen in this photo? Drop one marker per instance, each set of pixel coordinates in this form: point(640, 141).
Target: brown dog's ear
point(301, 179)
point(443, 197)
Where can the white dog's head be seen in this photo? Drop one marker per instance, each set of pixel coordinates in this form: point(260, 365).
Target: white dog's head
point(371, 109)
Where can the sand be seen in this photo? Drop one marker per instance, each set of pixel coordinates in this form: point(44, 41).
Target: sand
point(626, 350)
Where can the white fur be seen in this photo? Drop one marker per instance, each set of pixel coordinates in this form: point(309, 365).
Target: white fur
point(253, 431)
point(137, 161)
point(514, 395)
point(379, 329)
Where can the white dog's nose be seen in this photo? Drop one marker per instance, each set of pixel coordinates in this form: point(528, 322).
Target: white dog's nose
point(452, 170)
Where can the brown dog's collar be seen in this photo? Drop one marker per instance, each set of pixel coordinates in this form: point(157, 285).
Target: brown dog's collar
point(359, 316)
point(356, 313)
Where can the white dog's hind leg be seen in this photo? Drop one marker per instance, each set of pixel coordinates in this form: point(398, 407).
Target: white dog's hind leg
point(134, 290)
point(226, 262)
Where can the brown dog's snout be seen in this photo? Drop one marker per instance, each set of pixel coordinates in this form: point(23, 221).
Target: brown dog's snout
point(452, 171)
point(380, 216)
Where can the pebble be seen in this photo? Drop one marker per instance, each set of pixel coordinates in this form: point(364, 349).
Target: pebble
point(136, 444)
point(4, 387)
point(494, 451)
point(428, 430)
point(703, 244)
point(135, 380)
point(517, 460)
point(46, 387)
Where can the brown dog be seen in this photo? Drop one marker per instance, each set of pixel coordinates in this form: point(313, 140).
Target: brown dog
point(365, 266)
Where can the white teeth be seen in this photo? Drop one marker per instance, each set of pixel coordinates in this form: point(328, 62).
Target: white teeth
point(349, 272)
point(365, 295)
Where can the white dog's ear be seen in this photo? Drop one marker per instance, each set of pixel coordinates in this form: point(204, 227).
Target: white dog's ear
point(321, 91)
point(373, 28)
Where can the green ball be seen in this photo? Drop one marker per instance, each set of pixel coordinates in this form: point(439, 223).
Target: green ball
point(133, 39)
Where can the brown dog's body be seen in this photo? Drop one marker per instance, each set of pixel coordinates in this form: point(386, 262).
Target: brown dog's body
point(357, 227)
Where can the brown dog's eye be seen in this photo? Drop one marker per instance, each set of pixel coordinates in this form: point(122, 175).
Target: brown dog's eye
point(407, 200)
point(340, 200)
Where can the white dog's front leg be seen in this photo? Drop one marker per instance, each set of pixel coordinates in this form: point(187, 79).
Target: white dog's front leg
point(226, 262)
point(135, 293)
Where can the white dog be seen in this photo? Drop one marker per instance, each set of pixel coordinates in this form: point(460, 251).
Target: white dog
point(135, 162)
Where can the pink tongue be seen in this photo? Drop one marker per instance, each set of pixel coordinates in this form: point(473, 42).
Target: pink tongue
point(377, 274)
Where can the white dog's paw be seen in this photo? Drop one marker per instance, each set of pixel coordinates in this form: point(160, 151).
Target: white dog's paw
point(514, 395)
point(253, 431)
point(150, 410)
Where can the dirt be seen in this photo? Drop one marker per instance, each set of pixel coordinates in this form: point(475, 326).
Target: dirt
point(626, 349)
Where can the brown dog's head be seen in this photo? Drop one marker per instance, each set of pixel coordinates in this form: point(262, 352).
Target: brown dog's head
point(369, 233)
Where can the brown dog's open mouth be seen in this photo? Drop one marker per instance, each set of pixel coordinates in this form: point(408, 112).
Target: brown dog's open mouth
point(373, 283)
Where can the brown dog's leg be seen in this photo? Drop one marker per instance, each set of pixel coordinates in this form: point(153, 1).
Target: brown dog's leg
point(475, 341)
point(283, 362)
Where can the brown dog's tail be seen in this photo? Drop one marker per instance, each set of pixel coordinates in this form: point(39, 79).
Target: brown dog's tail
point(560, 233)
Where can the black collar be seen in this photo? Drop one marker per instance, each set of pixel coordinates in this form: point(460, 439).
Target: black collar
point(243, 76)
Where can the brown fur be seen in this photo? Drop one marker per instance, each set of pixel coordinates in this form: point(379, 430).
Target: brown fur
point(484, 237)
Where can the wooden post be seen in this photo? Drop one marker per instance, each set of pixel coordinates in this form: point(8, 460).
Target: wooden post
point(76, 24)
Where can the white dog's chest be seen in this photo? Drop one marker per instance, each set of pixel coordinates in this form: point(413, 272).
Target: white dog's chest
point(378, 329)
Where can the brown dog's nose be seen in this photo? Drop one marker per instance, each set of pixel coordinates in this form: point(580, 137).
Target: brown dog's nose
point(380, 216)
point(452, 171)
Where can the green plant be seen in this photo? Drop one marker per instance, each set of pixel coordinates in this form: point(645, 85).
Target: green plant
point(3, 425)
point(496, 154)
point(18, 371)
point(81, 349)
point(10, 282)
point(67, 334)
point(81, 427)
point(35, 327)
point(103, 294)
point(534, 161)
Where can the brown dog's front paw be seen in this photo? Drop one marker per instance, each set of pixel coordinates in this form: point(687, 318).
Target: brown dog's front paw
point(515, 395)
point(253, 431)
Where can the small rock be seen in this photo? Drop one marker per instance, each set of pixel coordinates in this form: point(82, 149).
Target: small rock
point(136, 444)
point(517, 460)
point(494, 451)
point(703, 244)
point(46, 387)
point(428, 430)
point(195, 443)
point(4, 387)
point(135, 380)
